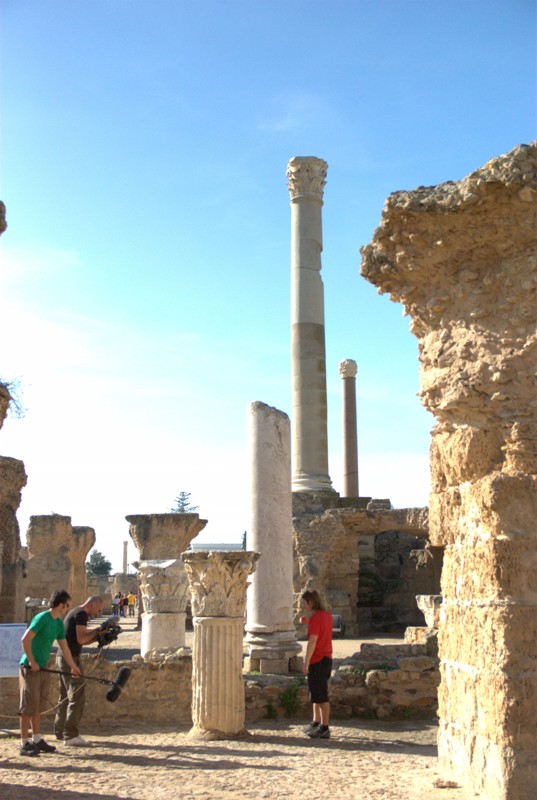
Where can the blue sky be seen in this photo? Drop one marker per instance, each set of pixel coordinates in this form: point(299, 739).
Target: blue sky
point(145, 280)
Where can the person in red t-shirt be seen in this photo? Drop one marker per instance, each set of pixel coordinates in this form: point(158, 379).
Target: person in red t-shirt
point(318, 661)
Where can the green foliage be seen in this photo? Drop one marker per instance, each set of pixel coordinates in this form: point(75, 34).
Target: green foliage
point(289, 698)
point(270, 712)
point(16, 406)
point(98, 564)
point(182, 504)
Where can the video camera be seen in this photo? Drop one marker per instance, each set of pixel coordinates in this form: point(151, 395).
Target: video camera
point(109, 630)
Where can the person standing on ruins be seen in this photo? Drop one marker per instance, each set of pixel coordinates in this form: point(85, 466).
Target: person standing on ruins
point(318, 661)
point(72, 688)
point(37, 642)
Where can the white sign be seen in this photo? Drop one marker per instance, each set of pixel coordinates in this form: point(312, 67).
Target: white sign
point(11, 649)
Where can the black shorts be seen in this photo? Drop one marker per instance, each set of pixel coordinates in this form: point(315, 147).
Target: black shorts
point(318, 675)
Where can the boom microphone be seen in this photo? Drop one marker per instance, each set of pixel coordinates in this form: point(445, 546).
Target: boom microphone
point(117, 684)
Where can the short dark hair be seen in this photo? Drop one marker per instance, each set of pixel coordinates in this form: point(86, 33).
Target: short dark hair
point(313, 599)
point(59, 598)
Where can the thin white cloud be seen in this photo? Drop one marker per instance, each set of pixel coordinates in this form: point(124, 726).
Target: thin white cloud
point(294, 111)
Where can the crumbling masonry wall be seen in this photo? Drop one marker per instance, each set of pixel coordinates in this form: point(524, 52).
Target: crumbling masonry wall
point(462, 258)
point(328, 535)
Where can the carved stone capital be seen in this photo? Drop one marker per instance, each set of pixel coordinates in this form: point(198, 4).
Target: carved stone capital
point(164, 586)
point(163, 536)
point(218, 581)
point(306, 177)
point(348, 368)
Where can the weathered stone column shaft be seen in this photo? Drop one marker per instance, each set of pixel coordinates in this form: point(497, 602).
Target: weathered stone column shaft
point(217, 685)
point(310, 440)
point(348, 371)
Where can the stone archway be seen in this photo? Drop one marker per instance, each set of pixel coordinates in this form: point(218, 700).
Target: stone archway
point(462, 259)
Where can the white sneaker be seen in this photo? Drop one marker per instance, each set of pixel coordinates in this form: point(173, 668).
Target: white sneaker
point(76, 741)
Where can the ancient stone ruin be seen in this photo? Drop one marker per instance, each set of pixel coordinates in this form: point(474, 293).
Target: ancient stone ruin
point(462, 259)
point(12, 480)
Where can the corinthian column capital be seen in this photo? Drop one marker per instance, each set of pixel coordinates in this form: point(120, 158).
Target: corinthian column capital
point(348, 368)
point(218, 581)
point(306, 177)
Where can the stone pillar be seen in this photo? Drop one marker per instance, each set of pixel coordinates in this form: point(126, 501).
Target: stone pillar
point(308, 360)
point(218, 583)
point(165, 593)
point(83, 540)
point(348, 370)
point(161, 538)
point(125, 562)
point(56, 556)
point(12, 480)
point(271, 635)
point(462, 258)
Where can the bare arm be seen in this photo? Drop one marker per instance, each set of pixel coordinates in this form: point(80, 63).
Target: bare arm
point(27, 647)
point(68, 657)
point(83, 636)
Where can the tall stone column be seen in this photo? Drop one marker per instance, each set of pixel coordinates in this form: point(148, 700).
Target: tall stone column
point(270, 631)
point(307, 177)
point(462, 258)
point(348, 370)
point(165, 594)
point(218, 583)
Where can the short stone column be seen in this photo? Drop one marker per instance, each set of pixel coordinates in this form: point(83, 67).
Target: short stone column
point(165, 593)
point(307, 177)
point(430, 605)
point(163, 536)
point(270, 631)
point(348, 370)
point(218, 583)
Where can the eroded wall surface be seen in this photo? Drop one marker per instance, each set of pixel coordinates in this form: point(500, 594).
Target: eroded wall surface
point(462, 259)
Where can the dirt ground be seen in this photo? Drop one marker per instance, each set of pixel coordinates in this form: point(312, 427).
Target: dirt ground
point(364, 760)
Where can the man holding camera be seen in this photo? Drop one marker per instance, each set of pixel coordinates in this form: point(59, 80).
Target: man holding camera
point(72, 689)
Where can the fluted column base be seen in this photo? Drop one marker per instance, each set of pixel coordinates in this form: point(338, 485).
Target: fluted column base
point(217, 684)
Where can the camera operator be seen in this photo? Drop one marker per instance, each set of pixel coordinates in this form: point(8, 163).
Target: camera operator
point(72, 690)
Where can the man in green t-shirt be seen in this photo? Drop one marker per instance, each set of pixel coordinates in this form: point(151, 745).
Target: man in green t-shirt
point(37, 641)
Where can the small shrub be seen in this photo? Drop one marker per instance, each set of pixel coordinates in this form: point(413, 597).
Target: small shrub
point(289, 699)
point(270, 712)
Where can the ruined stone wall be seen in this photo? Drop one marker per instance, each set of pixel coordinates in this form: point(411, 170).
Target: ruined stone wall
point(399, 567)
point(328, 537)
point(12, 481)
point(56, 557)
point(384, 682)
point(462, 258)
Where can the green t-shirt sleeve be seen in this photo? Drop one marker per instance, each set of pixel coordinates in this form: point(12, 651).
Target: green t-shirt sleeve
point(60, 630)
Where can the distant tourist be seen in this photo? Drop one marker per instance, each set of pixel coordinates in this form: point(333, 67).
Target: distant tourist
point(131, 601)
point(115, 603)
point(318, 661)
point(37, 641)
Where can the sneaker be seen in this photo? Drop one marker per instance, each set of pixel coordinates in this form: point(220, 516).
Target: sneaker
point(29, 749)
point(76, 741)
point(311, 727)
point(320, 733)
point(43, 747)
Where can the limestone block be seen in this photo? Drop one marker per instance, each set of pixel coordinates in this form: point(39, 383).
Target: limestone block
point(461, 257)
point(162, 632)
point(163, 536)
